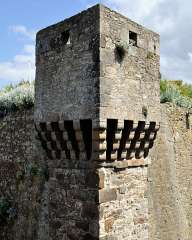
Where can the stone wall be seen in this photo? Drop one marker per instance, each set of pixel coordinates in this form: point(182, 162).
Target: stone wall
point(170, 177)
point(67, 69)
point(81, 74)
point(97, 108)
point(169, 190)
point(124, 204)
point(96, 116)
point(129, 69)
point(20, 184)
point(87, 181)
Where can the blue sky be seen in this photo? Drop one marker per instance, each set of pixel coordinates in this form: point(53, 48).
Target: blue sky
point(21, 19)
point(34, 15)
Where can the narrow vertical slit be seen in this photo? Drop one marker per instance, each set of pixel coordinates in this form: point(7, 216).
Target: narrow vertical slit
point(71, 133)
point(128, 125)
point(43, 126)
point(139, 129)
point(111, 129)
point(187, 120)
point(147, 138)
point(86, 127)
point(141, 126)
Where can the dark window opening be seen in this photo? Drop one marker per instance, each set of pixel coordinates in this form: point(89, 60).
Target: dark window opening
point(86, 127)
point(132, 38)
point(65, 37)
point(120, 53)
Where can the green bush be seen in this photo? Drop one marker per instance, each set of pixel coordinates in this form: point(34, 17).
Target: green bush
point(21, 96)
point(16, 98)
point(176, 92)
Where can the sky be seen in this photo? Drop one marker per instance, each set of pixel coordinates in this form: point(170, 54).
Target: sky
point(21, 19)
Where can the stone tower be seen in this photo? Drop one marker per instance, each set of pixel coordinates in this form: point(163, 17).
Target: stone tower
point(97, 116)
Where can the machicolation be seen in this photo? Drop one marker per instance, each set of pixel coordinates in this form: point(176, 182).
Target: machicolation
point(98, 157)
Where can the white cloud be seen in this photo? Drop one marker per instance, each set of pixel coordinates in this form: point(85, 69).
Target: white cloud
point(22, 66)
point(190, 56)
point(137, 9)
point(23, 31)
point(173, 20)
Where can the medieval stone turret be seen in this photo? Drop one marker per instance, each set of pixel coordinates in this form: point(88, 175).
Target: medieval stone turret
point(97, 116)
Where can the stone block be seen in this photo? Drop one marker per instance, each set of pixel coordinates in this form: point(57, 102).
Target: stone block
point(107, 195)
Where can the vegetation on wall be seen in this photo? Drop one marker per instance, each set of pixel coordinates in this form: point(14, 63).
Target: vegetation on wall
point(18, 97)
point(176, 92)
point(21, 96)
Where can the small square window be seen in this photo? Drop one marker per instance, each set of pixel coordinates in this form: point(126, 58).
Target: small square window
point(65, 37)
point(132, 38)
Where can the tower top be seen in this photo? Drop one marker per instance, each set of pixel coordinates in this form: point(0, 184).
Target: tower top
point(97, 65)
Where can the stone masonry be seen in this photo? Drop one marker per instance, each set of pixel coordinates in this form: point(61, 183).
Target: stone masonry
point(97, 116)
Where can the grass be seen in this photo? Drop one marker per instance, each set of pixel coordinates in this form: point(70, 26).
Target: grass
point(177, 92)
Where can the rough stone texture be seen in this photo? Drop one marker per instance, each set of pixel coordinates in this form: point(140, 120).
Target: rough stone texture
point(21, 188)
point(67, 74)
point(124, 205)
point(82, 78)
point(129, 85)
point(73, 209)
point(102, 67)
point(170, 177)
point(169, 191)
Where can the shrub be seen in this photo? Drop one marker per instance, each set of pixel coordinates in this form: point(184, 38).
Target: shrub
point(176, 92)
point(16, 98)
point(169, 95)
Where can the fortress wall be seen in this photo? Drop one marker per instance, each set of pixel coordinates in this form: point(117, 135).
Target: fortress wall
point(18, 185)
point(170, 176)
point(15, 133)
point(169, 189)
point(126, 215)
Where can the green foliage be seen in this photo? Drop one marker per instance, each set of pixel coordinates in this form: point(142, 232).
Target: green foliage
point(163, 85)
point(17, 97)
point(176, 92)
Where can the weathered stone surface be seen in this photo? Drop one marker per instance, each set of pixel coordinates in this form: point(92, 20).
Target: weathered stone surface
point(101, 175)
point(101, 66)
point(170, 176)
point(107, 195)
point(97, 101)
point(19, 183)
point(128, 85)
point(89, 81)
point(169, 179)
